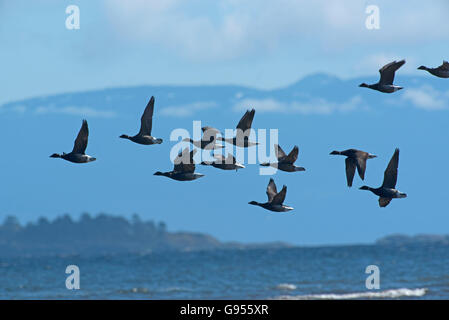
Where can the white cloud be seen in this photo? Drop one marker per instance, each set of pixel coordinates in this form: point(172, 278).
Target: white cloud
point(224, 29)
point(186, 110)
point(317, 106)
point(78, 111)
point(427, 98)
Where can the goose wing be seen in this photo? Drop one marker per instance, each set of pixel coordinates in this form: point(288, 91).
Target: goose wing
point(81, 140)
point(292, 156)
point(146, 121)
point(280, 197)
point(388, 70)
point(246, 121)
point(220, 158)
point(271, 190)
point(184, 161)
point(391, 173)
point(209, 133)
point(444, 66)
point(383, 202)
point(279, 152)
point(230, 159)
point(361, 163)
point(350, 170)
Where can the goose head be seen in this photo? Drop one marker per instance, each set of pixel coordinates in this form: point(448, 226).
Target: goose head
point(335, 152)
point(254, 203)
point(422, 68)
point(364, 85)
point(265, 164)
point(364, 188)
point(371, 156)
point(124, 136)
point(55, 155)
point(158, 173)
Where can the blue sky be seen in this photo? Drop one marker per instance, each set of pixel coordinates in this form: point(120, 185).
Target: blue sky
point(263, 44)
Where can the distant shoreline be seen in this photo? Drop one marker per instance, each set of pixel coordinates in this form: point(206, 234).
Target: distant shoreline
point(106, 234)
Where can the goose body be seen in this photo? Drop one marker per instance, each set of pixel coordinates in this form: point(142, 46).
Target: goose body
point(208, 140)
point(385, 83)
point(285, 162)
point(146, 123)
point(241, 138)
point(355, 159)
point(78, 154)
point(204, 144)
point(223, 163)
point(388, 190)
point(275, 199)
point(184, 168)
point(441, 72)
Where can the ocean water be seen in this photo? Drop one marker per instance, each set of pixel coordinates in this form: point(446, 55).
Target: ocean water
point(414, 272)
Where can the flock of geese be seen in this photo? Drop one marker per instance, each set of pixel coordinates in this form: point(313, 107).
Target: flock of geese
point(184, 165)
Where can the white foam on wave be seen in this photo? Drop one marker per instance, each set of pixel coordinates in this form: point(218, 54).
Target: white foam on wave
point(286, 286)
point(387, 294)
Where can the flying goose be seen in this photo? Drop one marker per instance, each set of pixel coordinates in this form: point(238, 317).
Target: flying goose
point(385, 83)
point(387, 191)
point(184, 168)
point(275, 199)
point(285, 162)
point(355, 159)
point(78, 153)
point(207, 142)
point(441, 72)
point(241, 138)
point(228, 163)
point(146, 123)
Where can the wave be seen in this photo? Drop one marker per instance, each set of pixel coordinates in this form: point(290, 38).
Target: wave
point(286, 286)
point(387, 294)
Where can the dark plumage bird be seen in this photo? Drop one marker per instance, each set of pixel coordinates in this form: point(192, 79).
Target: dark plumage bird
point(355, 159)
point(441, 72)
point(285, 162)
point(208, 140)
point(241, 138)
point(385, 83)
point(146, 124)
point(184, 169)
point(388, 191)
point(78, 153)
point(275, 199)
point(228, 163)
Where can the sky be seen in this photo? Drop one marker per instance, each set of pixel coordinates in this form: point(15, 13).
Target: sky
point(263, 44)
point(258, 44)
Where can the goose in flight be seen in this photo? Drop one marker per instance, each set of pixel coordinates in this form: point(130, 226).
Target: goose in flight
point(354, 159)
point(285, 162)
point(275, 199)
point(388, 191)
point(241, 138)
point(385, 83)
point(207, 142)
point(184, 168)
point(441, 72)
point(228, 163)
point(78, 154)
point(146, 123)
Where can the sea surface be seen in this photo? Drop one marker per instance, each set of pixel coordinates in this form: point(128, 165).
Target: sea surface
point(412, 272)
